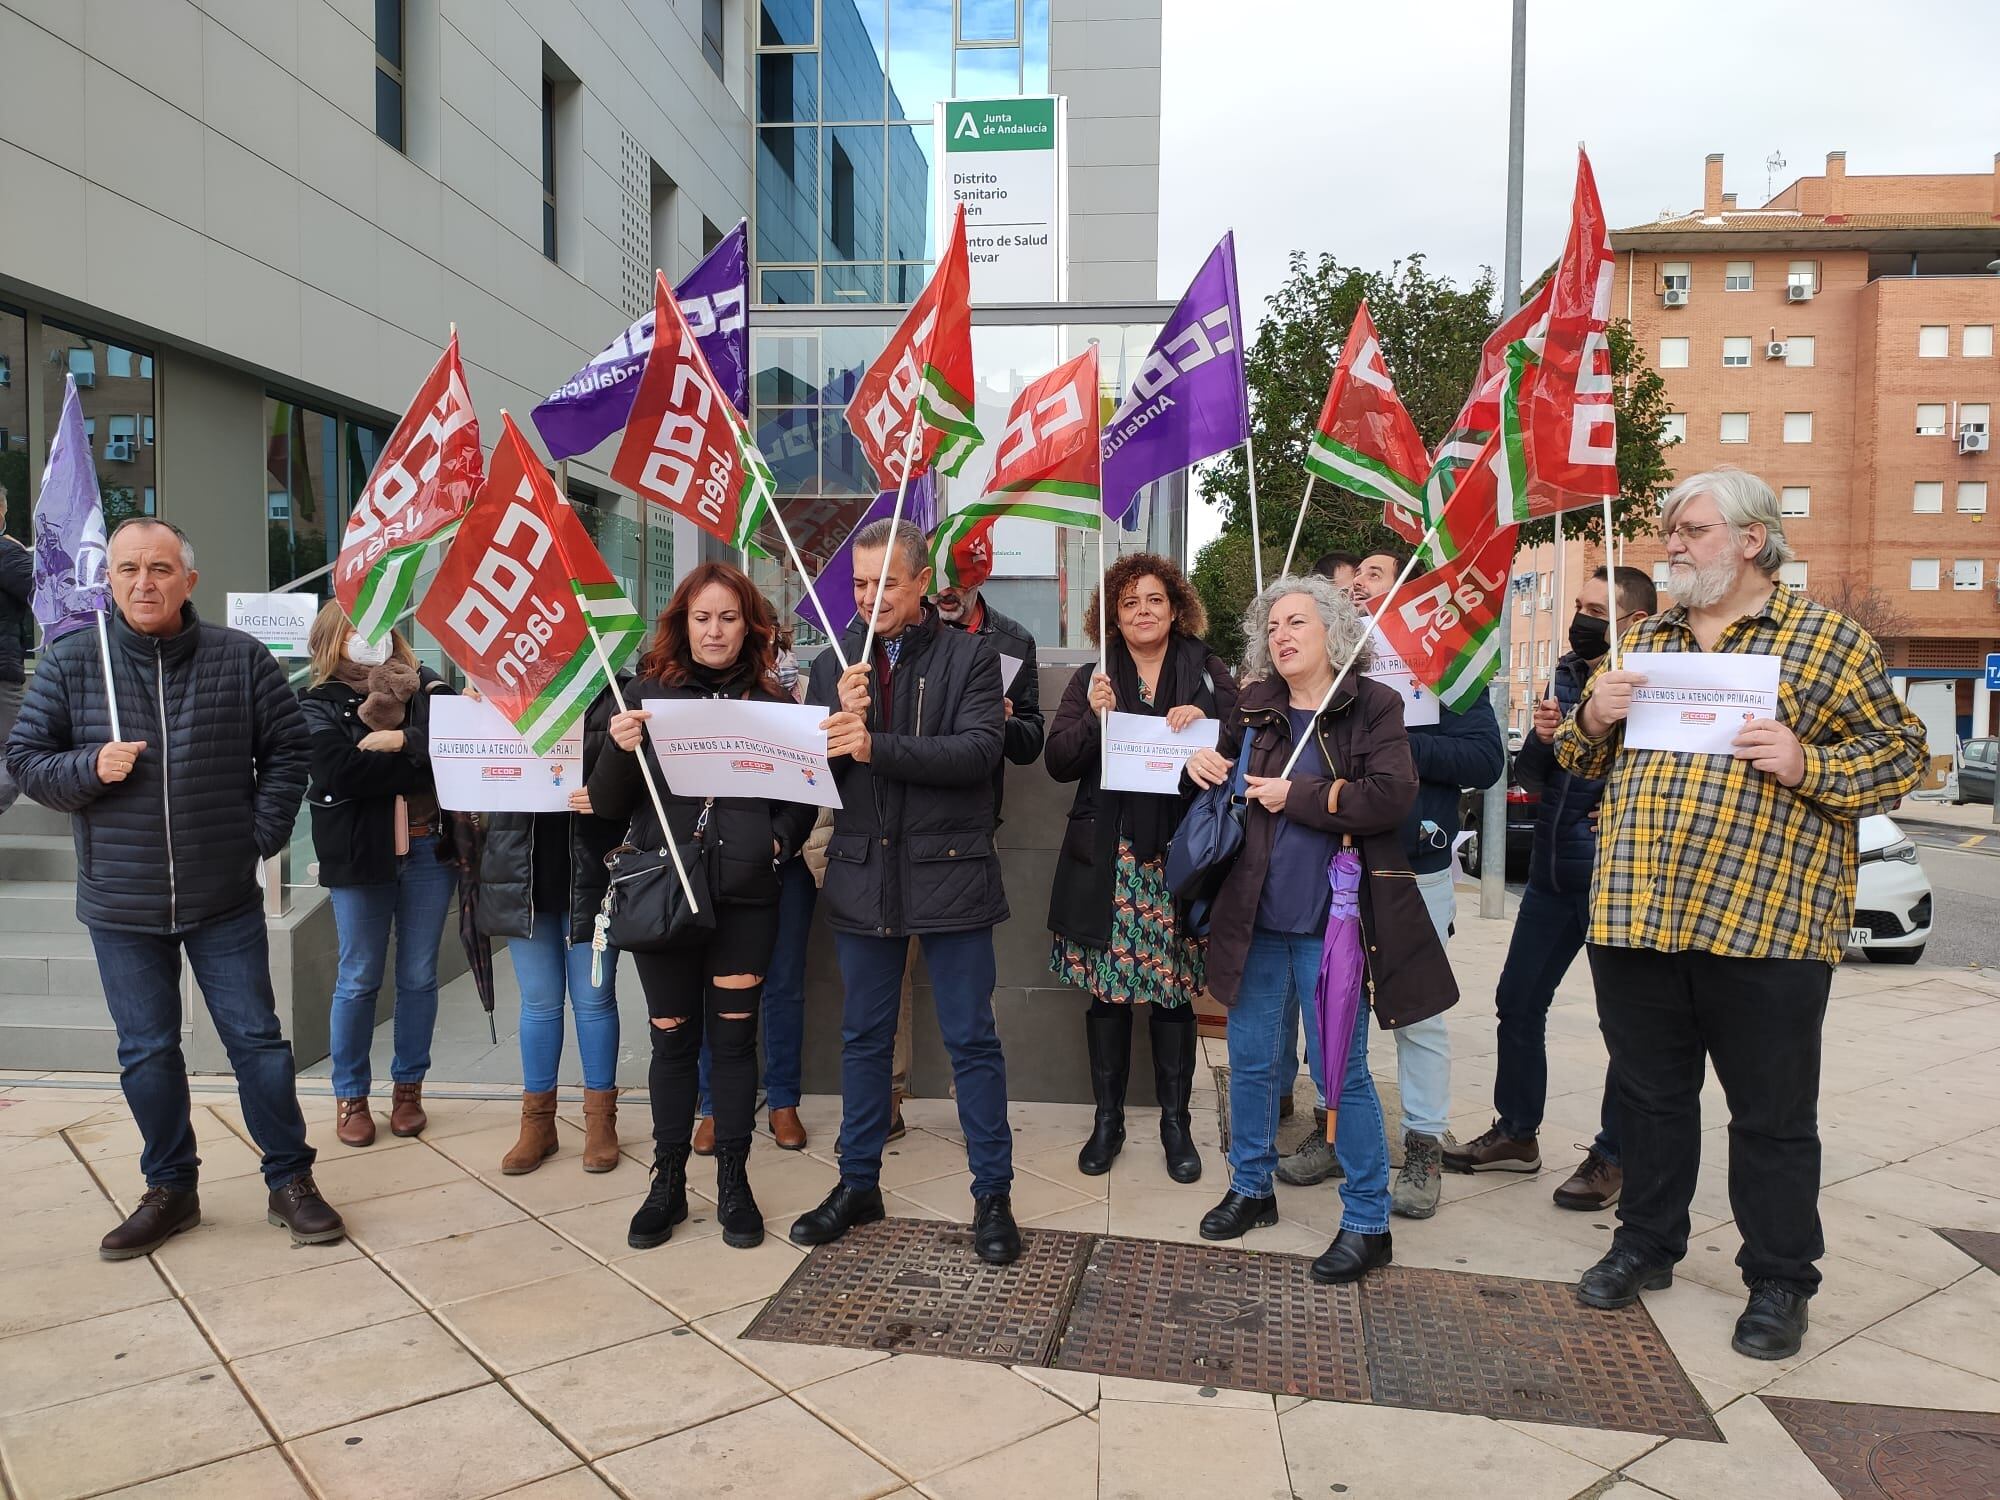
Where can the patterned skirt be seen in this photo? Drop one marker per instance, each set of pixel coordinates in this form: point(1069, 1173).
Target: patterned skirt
point(1148, 960)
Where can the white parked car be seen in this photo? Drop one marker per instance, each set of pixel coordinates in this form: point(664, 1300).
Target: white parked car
point(1892, 898)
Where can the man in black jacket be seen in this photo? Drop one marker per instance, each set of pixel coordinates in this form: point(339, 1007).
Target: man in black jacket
point(1554, 915)
point(912, 732)
point(171, 817)
point(964, 608)
point(17, 592)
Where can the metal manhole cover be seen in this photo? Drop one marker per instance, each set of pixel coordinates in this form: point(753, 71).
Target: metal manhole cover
point(1525, 1351)
point(1895, 1452)
point(1981, 1244)
point(913, 1286)
point(1207, 1315)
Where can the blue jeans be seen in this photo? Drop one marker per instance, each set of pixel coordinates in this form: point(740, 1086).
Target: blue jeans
point(545, 964)
point(231, 958)
point(784, 1012)
point(1548, 934)
point(414, 904)
point(1278, 978)
point(961, 970)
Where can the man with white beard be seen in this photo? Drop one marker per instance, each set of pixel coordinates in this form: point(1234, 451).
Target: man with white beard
point(1721, 900)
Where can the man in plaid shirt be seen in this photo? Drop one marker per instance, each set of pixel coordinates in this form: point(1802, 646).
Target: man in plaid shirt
point(1722, 900)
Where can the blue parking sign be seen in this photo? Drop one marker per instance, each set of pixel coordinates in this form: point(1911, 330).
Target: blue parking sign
point(1993, 670)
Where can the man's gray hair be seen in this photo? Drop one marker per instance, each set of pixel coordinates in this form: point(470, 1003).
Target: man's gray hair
point(187, 547)
point(1345, 628)
point(908, 537)
point(1743, 500)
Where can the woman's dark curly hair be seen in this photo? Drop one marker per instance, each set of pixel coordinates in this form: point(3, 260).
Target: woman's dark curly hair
point(1190, 619)
point(668, 658)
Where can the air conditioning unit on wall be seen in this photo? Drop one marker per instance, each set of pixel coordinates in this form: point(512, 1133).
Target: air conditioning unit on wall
point(1972, 440)
point(1675, 296)
point(1798, 291)
point(1775, 349)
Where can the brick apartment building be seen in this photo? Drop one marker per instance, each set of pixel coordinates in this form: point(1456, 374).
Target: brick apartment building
point(1837, 341)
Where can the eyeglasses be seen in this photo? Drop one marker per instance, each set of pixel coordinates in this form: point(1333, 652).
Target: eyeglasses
point(1686, 532)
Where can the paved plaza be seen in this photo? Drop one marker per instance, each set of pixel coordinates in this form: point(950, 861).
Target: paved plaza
point(482, 1335)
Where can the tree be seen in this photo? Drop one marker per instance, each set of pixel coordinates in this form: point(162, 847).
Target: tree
point(1432, 332)
point(1866, 605)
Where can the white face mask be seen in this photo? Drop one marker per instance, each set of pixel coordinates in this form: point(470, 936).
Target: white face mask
point(362, 654)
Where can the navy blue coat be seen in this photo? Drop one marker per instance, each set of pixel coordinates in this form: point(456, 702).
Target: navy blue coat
point(1565, 843)
point(1460, 750)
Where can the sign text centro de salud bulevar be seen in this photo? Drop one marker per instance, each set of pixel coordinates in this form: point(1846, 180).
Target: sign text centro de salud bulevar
point(1006, 160)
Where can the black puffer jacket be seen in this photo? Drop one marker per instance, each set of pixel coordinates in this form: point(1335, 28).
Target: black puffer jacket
point(17, 592)
point(507, 858)
point(353, 792)
point(741, 865)
point(1022, 738)
point(912, 846)
point(177, 842)
point(1565, 847)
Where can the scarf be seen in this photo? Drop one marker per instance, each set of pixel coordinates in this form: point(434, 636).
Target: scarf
point(1146, 820)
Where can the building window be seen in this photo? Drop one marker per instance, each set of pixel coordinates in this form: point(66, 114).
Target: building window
point(1737, 276)
point(1968, 573)
point(1798, 427)
point(1673, 428)
point(1799, 351)
point(121, 444)
point(118, 362)
point(1660, 573)
point(1735, 352)
point(1977, 342)
point(1795, 500)
point(1675, 275)
point(1673, 354)
point(389, 71)
point(1974, 416)
point(711, 35)
point(146, 431)
point(149, 501)
point(1793, 576)
point(1934, 341)
point(1927, 497)
point(1930, 419)
point(1803, 273)
point(1972, 498)
point(1923, 574)
point(1735, 427)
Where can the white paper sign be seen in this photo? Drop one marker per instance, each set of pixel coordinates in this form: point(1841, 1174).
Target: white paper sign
point(1420, 704)
point(1696, 702)
point(483, 765)
point(1142, 755)
point(1010, 668)
point(722, 747)
point(281, 621)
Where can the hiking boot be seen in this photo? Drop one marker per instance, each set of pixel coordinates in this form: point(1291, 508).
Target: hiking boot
point(297, 1206)
point(1314, 1162)
point(1495, 1151)
point(163, 1212)
point(406, 1110)
point(1594, 1185)
point(537, 1141)
point(1773, 1325)
point(1417, 1186)
point(735, 1209)
point(666, 1202)
point(353, 1125)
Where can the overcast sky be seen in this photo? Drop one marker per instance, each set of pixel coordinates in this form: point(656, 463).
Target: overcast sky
point(1370, 130)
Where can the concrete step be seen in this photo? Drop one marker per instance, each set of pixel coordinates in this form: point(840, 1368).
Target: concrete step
point(38, 906)
point(33, 819)
point(48, 963)
point(37, 856)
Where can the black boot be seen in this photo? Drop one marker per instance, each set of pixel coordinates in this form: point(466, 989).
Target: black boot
point(1351, 1256)
point(666, 1200)
point(1774, 1323)
point(843, 1209)
point(1174, 1047)
point(1110, 1039)
point(735, 1210)
point(996, 1239)
point(1617, 1279)
point(1236, 1215)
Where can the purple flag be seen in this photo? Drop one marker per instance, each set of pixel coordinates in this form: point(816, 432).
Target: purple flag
point(595, 401)
point(69, 530)
point(1189, 401)
point(835, 583)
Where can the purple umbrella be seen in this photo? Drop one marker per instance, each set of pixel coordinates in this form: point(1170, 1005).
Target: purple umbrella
point(1337, 995)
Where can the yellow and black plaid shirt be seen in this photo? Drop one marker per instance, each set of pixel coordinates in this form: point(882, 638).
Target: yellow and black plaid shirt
point(1705, 852)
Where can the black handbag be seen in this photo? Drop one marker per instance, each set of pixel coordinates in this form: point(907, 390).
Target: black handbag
point(645, 906)
point(1210, 837)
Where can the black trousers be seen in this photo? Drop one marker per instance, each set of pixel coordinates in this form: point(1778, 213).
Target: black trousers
point(1759, 1020)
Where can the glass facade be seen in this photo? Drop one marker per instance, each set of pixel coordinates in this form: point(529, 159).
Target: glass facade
point(14, 423)
point(845, 90)
point(315, 465)
point(114, 382)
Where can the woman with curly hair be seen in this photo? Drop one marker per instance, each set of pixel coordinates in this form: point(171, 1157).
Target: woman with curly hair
point(1117, 935)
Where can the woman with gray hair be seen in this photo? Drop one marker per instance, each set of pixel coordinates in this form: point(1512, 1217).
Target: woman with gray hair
point(1352, 784)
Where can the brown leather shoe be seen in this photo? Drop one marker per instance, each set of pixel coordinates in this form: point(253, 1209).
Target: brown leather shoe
point(297, 1206)
point(538, 1135)
point(353, 1124)
point(1595, 1185)
point(787, 1131)
point(600, 1129)
point(163, 1212)
point(704, 1136)
point(406, 1111)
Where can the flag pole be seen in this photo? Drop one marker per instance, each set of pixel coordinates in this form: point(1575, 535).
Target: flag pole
point(1298, 526)
point(1256, 542)
point(1610, 583)
point(1103, 654)
point(895, 521)
point(110, 692)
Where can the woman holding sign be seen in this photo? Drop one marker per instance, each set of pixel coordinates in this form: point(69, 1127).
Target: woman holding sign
point(383, 850)
point(1351, 782)
point(715, 639)
point(1117, 935)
